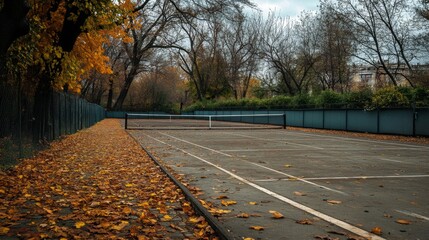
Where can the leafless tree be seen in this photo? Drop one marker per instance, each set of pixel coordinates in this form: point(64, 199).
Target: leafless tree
point(290, 48)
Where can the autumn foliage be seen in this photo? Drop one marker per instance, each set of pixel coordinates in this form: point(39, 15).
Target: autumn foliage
point(96, 184)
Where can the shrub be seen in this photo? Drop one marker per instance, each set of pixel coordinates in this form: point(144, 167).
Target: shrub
point(329, 99)
point(389, 97)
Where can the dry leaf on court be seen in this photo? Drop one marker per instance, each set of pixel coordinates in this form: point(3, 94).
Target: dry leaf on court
point(305, 222)
point(299, 194)
point(404, 222)
point(227, 203)
point(257, 228)
point(334, 202)
point(222, 197)
point(377, 230)
point(4, 230)
point(287, 166)
point(243, 215)
point(79, 224)
point(276, 214)
point(248, 238)
point(253, 203)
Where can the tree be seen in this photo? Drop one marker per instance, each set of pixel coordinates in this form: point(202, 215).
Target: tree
point(382, 32)
point(241, 40)
point(336, 49)
point(290, 48)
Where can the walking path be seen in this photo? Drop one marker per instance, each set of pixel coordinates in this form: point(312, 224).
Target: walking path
point(98, 184)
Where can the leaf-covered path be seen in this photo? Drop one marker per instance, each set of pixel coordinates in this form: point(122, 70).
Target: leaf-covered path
point(96, 184)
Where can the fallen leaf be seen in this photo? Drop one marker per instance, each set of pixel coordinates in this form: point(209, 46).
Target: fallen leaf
point(166, 218)
point(403, 222)
point(257, 228)
point(305, 222)
point(248, 238)
point(222, 197)
point(299, 194)
point(227, 203)
point(276, 214)
point(243, 215)
point(79, 224)
point(120, 226)
point(4, 230)
point(333, 202)
point(287, 166)
point(196, 219)
point(127, 210)
point(253, 203)
point(376, 230)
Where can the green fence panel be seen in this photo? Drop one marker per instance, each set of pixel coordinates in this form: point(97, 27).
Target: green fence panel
point(335, 119)
point(422, 122)
point(396, 121)
point(313, 118)
point(362, 121)
point(295, 118)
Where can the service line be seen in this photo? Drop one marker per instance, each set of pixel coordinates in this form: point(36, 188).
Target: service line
point(258, 165)
point(325, 217)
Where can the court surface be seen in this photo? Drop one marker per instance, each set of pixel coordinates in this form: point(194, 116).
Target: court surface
point(326, 186)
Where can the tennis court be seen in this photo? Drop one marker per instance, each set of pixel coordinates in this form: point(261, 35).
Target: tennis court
point(324, 185)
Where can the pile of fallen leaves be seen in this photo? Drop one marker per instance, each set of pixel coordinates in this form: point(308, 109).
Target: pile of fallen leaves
point(96, 184)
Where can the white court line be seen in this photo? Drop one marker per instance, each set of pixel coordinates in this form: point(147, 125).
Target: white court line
point(327, 218)
point(411, 214)
point(390, 160)
point(285, 140)
point(345, 178)
point(182, 140)
point(364, 140)
point(267, 168)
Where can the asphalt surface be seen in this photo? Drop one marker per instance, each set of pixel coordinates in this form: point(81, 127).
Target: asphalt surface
point(324, 185)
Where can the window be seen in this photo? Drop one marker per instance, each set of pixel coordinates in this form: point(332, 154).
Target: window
point(366, 77)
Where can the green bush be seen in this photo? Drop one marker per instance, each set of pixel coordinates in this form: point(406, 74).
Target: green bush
point(360, 99)
point(329, 99)
point(390, 97)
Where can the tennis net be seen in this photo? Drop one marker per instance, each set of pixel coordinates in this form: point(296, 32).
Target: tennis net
point(165, 121)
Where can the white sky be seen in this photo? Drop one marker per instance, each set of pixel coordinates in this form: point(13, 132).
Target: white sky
point(291, 8)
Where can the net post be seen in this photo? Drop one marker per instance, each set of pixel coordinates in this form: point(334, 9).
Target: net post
point(210, 122)
point(284, 120)
point(126, 120)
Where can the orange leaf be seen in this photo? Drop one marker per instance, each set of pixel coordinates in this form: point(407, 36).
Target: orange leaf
point(79, 224)
point(253, 203)
point(227, 203)
point(120, 226)
point(243, 215)
point(222, 197)
point(376, 230)
point(166, 218)
point(257, 228)
point(404, 222)
point(127, 210)
point(4, 230)
point(276, 214)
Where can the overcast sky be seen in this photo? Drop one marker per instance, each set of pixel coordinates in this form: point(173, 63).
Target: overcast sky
point(290, 8)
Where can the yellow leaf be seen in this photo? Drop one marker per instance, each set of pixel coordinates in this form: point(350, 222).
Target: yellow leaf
point(79, 224)
point(257, 228)
point(253, 203)
point(404, 222)
point(166, 218)
point(288, 166)
point(129, 185)
point(377, 230)
point(276, 214)
point(2, 191)
point(248, 239)
point(243, 215)
point(120, 226)
point(4, 230)
point(196, 219)
point(227, 203)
